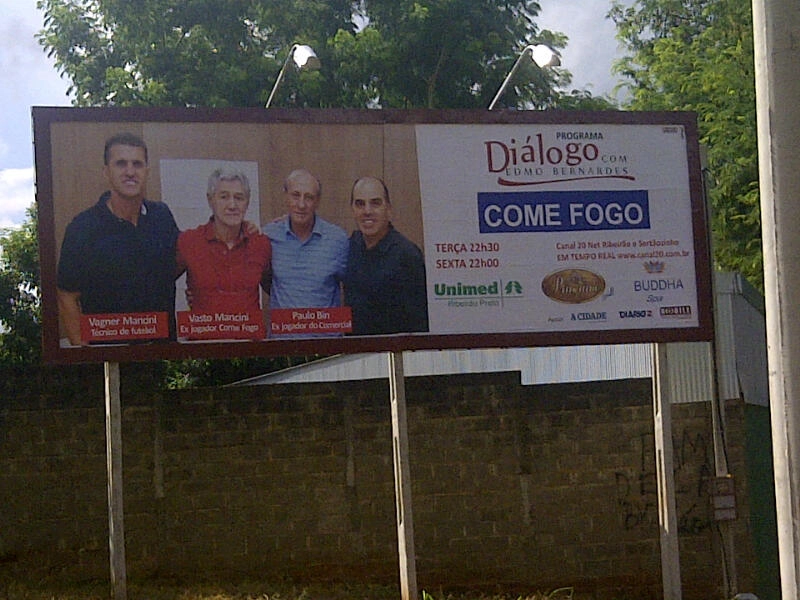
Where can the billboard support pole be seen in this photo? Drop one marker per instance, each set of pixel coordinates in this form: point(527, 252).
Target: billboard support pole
point(116, 532)
point(402, 478)
point(665, 477)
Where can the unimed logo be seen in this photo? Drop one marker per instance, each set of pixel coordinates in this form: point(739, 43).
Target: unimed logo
point(464, 290)
point(460, 290)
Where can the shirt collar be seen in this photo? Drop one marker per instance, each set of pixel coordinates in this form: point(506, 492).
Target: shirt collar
point(316, 230)
point(106, 196)
point(383, 245)
point(210, 236)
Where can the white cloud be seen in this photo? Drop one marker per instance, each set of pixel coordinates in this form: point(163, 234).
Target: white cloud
point(27, 78)
point(592, 46)
point(16, 195)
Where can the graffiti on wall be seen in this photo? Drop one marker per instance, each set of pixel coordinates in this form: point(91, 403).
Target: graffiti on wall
point(637, 491)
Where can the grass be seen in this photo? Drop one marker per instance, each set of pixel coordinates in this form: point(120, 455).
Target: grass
point(166, 590)
point(33, 578)
point(155, 590)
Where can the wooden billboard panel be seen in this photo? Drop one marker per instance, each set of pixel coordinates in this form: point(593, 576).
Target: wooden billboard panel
point(536, 228)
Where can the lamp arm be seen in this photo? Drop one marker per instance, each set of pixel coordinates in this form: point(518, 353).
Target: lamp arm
point(510, 75)
point(280, 76)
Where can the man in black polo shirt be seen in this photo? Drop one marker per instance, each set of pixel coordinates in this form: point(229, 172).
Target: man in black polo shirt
point(384, 283)
point(119, 255)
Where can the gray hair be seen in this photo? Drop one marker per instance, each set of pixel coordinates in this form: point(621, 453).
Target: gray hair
point(228, 175)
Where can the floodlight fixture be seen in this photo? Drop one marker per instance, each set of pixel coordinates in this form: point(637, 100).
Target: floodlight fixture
point(304, 59)
point(541, 54)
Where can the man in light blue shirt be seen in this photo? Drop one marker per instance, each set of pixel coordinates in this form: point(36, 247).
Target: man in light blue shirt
point(309, 254)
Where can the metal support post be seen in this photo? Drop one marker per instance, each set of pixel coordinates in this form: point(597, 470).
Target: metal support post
point(667, 514)
point(116, 530)
point(402, 478)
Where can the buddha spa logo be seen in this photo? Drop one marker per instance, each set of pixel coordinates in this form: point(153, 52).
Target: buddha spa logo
point(573, 286)
point(654, 266)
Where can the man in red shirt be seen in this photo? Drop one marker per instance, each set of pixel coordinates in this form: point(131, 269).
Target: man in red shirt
point(225, 260)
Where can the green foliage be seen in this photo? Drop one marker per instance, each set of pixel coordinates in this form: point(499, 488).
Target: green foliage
point(697, 55)
point(583, 100)
point(382, 53)
point(448, 54)
point(160, 52)
point(20, 330)
point(180, 374)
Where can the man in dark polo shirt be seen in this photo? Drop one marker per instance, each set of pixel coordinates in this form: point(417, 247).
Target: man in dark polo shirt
point(119, 255)
point(384, 283)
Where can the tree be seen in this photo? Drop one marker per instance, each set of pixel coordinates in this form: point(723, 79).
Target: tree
point(179, 52)
point(450, 54)
point(381, 53)
point(697, 55)
point(20, 329)
point(178, 374)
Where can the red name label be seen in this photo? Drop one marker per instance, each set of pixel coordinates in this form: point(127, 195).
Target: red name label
point(248, 325)
point(124, 327)
point(311, 321)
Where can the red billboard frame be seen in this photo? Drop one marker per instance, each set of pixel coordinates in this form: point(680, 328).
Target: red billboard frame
point(68, 153)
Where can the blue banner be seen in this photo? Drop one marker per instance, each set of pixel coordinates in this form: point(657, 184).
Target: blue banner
point(520, 212)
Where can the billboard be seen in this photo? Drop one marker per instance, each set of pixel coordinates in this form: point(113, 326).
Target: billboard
point(244, 232)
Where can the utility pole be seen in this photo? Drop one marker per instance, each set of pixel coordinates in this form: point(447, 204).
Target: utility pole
point(776, 24)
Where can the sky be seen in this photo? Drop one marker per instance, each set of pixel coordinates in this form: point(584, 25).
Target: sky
point(29, 78)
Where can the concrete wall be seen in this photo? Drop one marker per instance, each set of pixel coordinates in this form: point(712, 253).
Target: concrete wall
point(514, 487)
